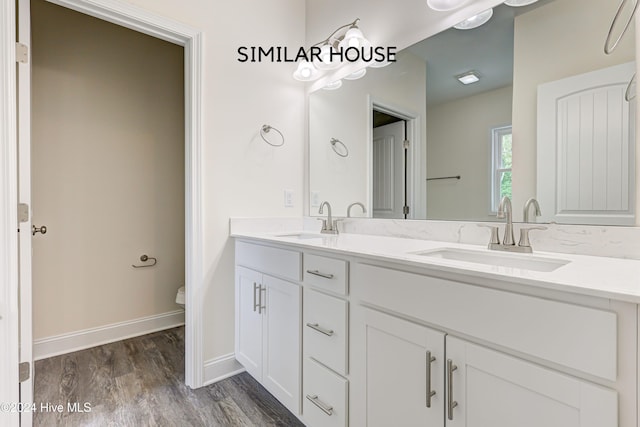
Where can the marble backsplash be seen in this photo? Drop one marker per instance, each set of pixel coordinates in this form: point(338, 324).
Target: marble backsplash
point(609, 241)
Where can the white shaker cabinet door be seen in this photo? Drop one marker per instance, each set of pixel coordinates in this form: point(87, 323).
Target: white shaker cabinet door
point(249, 321)
point(489, 388)
point(404, 366)
point(282, 344)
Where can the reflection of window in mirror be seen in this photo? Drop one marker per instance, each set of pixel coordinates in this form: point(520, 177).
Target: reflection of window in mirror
point(500, 165)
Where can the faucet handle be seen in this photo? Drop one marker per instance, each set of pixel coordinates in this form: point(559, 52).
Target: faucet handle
point(495, 238)
point(524, 235)
point(324, 224)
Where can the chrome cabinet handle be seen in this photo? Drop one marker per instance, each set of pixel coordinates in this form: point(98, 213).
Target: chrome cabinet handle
point(316, 327)
point(450, 402)
point(430, 393)
point(261, 305)
point(256, 304)
point(317, 273)
point(323, 406)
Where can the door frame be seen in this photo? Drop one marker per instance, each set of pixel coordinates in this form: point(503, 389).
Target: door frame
point(417, 209)
point(143, 21)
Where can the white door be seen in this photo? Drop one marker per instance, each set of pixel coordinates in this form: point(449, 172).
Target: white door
point(586, 148)
point(281, 342)
point(493, 389)
point(404, 365)
point(249, 321)
point(389, 171)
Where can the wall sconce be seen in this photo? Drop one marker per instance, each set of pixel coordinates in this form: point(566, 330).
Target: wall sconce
point(327, 54)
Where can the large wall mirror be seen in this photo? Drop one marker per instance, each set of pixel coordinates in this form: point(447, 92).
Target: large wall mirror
point(547, 119)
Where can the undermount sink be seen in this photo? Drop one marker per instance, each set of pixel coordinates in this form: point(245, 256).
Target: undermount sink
point(304, 236)
point(524, 262)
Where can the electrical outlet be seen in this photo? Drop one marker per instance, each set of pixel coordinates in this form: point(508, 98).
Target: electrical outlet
point(288, 198)
point(315, 199)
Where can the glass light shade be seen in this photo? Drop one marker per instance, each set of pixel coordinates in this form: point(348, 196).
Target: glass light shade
point(353, 38)
point(305, 72)
point(333, 85)
point(519, 3)
point(356, 75)
point(445, 5)
point(326, 62)
point(475, 21)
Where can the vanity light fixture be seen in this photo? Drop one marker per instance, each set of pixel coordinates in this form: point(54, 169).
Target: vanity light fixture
point(346, 36)
point(468, 77)
point(333, 85)
point(475, 21)
point(519, 3)
point(356, 75)
point(445, 5)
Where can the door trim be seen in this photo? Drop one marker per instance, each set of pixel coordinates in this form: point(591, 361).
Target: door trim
point(191, 39)
point(8, 211)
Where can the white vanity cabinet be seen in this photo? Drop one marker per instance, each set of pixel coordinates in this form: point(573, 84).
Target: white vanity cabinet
point(268, 320)
point(406, 373)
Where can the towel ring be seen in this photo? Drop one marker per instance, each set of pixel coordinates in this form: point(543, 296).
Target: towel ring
point(630, 93)
point(608, 48)
point(335, 141)
point(264, 130)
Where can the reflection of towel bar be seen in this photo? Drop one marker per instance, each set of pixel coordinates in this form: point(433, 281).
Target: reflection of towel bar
point(444, 177)
point(145, 258)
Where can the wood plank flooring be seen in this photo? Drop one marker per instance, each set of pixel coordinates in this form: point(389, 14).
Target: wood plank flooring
point(140, 382)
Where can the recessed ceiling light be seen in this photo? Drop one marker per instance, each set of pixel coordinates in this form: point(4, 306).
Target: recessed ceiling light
point(519, 3)
point(445, 5)
point(468, 77)
point(475, 21)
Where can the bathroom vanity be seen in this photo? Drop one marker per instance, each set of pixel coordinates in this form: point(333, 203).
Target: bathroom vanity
point(366, 330)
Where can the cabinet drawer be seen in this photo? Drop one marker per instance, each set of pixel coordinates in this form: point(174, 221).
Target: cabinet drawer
point(577, 337)
point(325, 329)
point(325, 396)
point(326, 273)
point(279, 262)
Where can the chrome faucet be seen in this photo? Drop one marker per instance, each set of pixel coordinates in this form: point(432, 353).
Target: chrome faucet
point(504, 211)
point(329, 225)
point(526, 209)
point(355, 204)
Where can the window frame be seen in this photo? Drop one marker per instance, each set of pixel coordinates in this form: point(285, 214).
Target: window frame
point(497, 133)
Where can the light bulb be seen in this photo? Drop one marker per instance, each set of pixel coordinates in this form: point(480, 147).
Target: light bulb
point(305, 72)
point(475, 21)
point(333, 85)
point(445, 5)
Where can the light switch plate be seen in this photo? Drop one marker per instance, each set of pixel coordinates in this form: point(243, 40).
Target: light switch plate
point(288, 198)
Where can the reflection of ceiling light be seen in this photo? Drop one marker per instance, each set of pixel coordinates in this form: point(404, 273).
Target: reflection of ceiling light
point(445, 5)
point(305, 72)
point(518, 3)
point(356, 75)
point(475, 21)
point(333, 85)
point(468, 77)
point(326, 61)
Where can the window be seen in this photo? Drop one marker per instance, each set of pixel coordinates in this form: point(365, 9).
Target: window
point(500, 165)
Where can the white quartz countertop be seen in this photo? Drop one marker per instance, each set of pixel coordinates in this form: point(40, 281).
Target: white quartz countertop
point(613, 278)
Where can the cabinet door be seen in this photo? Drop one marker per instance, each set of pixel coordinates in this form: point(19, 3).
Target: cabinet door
point(249, 321)
point(282, 350)
point(399, 374)
point(493, 389)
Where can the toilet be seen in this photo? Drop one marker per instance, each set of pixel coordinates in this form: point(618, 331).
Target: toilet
point(180, 297)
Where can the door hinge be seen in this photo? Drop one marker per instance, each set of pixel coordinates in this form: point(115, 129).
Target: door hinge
point(24, 371)
point(22, 53)
point(405, 144)
point(23, 212)
point(405, 210)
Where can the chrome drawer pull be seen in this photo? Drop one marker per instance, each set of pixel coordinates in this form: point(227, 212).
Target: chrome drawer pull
point(256, 304)
point(316, 327)
point(317, 273)
point(451, 403)
point(430, 393)
point(323, 406)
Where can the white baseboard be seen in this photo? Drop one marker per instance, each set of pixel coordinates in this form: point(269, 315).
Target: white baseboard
point(80, 340)
point(220, 368)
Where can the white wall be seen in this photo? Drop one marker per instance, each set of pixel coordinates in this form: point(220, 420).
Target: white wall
point(547, 48)
point(459, 143)
point(107, 172)
point(243, 175)
point(345, 114)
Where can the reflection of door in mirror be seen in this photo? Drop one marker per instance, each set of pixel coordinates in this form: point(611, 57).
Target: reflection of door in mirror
point(389, 168)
